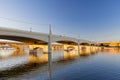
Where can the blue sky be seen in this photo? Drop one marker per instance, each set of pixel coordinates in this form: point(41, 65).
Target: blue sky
point(96, 20)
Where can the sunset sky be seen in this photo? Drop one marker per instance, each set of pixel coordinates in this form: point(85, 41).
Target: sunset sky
point(96, 20)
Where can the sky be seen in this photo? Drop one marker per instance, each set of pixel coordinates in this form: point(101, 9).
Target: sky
point(95, 20)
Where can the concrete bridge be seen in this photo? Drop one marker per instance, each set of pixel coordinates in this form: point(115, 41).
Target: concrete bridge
point(37, 38)
point(44, 41)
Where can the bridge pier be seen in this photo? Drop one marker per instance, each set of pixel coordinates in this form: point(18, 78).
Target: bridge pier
point(90, 48)
point(78, 48)
point(50, 53)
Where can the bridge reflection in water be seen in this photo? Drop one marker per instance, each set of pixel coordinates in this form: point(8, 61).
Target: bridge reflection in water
point(38, 70)
point(20, 64)
point(62, 53)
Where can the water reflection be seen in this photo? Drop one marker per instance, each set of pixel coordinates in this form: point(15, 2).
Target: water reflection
point(110, 50)
point(20, 70)
point(37, 65)
point(13, 62)
point(50, 73)
point(67, 65)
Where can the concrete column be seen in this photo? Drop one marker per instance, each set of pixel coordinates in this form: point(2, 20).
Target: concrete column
point(50, 49)
point(95, 48)
point(78, 48)
point(90, 48)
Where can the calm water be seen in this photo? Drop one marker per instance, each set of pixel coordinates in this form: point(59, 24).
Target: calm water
point(104, 65)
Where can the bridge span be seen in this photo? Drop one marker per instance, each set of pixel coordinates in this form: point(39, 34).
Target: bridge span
point(37, 38)
point(38, 44)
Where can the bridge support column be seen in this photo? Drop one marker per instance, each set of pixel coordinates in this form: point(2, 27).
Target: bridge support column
point(90, 48)
point(50, 48)
point(78, 48)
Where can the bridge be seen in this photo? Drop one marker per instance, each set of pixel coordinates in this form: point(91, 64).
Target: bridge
point(37, 38)
point(33, 40)
point(42, 39)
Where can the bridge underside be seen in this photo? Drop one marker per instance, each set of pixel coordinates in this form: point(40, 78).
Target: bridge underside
point(84, 43)
point(23, 39)
point(67, 42)
point(36, 41)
